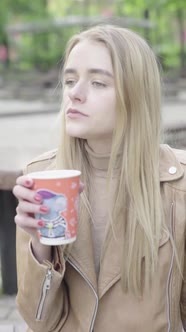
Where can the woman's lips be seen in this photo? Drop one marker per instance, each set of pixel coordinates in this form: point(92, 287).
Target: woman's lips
point(74, 114)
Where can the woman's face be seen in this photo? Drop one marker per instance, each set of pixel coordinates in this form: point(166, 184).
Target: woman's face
point(89, 95)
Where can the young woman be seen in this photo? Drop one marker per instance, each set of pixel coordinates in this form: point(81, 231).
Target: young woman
point(125, 271)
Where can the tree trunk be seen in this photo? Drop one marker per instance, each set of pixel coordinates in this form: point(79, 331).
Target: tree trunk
point(147, 32)
point(180, 18)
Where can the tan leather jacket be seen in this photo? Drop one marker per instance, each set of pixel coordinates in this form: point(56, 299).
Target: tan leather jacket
point(66, 296)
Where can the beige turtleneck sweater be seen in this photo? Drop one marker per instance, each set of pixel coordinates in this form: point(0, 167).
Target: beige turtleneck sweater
point(100, 200)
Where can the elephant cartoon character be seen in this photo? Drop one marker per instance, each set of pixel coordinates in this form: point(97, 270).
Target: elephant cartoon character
point(55, 223)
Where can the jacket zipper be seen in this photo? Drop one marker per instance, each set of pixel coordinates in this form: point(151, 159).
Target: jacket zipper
point(88, 282)
point(170, 271)
point(46, 287)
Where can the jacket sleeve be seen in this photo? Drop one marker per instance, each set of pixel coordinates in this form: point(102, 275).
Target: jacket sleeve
point(42, 296)
point(183, 297)
point(183, 291)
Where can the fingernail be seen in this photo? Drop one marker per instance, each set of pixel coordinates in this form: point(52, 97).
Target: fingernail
point(41, 223)
point(43, 208)
point(37, 198)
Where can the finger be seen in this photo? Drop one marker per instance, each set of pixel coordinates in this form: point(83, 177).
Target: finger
point(33, 232)
point(81, 187)
point(25, 207)
point(25, 181)
point(25, 221)
point(27, 194)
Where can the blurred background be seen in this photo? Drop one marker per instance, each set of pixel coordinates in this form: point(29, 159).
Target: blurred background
point(33, 35)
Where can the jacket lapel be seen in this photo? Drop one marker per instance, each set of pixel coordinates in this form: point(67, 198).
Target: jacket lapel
point(110, 263)
point(81, 253)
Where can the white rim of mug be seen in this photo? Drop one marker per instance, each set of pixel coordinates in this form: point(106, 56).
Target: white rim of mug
point(54, 174)
point(56, 241)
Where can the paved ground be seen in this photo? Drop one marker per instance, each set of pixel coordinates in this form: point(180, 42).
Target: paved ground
point(27, 135)
point(10, 319)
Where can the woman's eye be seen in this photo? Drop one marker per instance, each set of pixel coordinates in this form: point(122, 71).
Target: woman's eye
point(99, 84)
point(69, 82)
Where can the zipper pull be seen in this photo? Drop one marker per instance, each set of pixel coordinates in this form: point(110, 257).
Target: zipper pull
point(48, 279)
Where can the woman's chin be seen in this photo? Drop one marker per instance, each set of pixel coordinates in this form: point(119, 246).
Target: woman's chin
point(75, 133)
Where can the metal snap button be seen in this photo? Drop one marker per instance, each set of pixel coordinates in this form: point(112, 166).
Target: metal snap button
point(172, 170)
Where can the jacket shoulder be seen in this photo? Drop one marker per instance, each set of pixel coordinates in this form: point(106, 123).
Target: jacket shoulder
point(180, 157)
point(44, 161)
point(170, 166)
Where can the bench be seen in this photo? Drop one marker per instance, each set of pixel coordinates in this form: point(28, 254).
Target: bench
point(8, 205)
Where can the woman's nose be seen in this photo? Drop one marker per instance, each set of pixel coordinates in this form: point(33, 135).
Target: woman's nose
point(77, 93)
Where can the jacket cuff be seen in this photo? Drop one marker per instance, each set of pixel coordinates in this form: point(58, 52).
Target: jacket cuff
point(56, 264)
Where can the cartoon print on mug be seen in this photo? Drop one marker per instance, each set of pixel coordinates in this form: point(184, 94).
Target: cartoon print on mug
point(55, 222)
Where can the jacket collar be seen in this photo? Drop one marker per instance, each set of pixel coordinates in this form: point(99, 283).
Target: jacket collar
point(81, 253)
point(170, 168)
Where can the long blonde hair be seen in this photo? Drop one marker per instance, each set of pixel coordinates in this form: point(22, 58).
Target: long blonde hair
point(137, 134)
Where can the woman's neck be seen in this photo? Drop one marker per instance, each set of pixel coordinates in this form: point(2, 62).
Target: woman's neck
point(100, 146)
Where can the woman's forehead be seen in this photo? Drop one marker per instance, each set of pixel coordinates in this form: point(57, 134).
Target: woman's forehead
point(90, 54)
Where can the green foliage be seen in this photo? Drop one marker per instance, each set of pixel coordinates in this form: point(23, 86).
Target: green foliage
point(24, 8)
point(3, 20)
point(169, 56)
point(170, 19)
point(43, 50)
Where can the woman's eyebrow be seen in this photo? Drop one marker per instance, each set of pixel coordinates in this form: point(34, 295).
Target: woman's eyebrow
point(91, 71)
point(100, 71)
point(70, 71)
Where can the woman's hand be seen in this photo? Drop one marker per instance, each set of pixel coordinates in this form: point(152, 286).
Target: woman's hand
point(29, 203)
